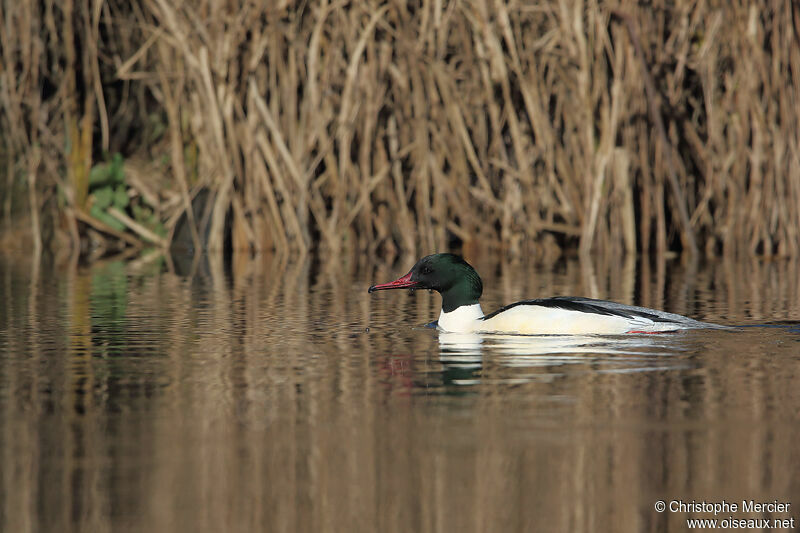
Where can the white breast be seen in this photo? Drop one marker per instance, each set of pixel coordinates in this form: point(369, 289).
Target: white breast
point(464, 319)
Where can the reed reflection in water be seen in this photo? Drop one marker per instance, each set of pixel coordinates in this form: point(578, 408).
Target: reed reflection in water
point(281, 397)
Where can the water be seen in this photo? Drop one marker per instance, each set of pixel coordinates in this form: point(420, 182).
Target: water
point(277, 396)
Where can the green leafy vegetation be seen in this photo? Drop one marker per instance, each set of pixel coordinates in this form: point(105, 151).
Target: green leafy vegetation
point(107, 190)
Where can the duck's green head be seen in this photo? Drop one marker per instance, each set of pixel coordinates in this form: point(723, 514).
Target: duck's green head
point(448, 274)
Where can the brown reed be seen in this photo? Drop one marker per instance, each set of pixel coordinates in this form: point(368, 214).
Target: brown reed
point(412, 126)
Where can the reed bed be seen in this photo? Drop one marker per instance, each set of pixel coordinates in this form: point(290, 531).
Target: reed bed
point(396, 126)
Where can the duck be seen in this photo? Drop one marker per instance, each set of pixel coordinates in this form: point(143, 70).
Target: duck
point(461, 288)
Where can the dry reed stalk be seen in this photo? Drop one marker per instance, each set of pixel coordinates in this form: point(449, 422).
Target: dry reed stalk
point(389, 126)
point(655, 115)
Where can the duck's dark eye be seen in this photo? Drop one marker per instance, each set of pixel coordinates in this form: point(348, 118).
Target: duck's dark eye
point(426, 270)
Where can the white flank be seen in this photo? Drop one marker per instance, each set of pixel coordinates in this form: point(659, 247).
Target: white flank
point(538, 320)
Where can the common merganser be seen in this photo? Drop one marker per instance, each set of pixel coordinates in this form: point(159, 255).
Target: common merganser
point(461, 288)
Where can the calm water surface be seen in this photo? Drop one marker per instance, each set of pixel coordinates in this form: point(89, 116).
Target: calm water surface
point(280, 396)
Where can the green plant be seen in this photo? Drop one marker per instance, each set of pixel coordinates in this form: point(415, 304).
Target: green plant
point(107, 189)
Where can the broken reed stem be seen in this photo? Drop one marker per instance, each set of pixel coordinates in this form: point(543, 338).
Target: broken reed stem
point(137, 228)
point(104, 228)
point(385, 127)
